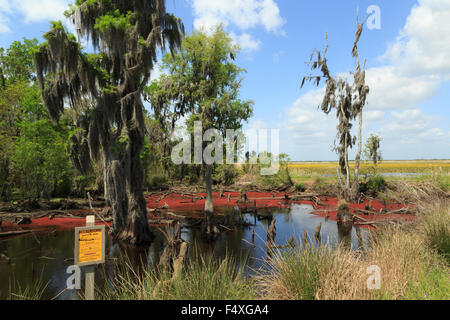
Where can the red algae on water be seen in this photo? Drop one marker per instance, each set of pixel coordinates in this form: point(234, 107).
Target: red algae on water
point(193, 204)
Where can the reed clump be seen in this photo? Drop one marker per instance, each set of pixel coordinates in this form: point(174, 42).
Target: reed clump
point(412, 259)
point(203, 278)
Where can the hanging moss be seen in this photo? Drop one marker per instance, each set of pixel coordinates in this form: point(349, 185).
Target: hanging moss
point(127, 35)
point(348, 99)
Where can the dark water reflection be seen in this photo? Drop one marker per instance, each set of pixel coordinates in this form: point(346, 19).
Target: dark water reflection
point(47, 256)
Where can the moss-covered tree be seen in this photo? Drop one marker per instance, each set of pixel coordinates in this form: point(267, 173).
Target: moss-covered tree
point(105, 89)
point(348, 98)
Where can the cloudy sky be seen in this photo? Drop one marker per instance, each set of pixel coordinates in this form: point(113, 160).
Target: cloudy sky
point(408, 65)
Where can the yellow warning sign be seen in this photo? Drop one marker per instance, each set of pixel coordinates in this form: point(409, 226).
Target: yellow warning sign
point(90, 246)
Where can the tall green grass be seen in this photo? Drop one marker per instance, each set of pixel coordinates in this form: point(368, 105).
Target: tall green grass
point(205, 278)
point(295, 274)
point(436, 230)
point(32, 292)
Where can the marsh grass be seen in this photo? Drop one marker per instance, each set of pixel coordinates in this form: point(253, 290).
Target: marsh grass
point(203, 278)
point(413, 260)
point(436, 228)
point(294, 274)
point(424, 166)
point(33, 292)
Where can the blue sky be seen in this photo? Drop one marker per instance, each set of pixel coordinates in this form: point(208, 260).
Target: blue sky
point(408, 65)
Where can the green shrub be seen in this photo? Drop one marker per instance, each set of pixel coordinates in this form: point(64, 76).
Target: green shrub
point(373, 185)
point(158, 182)
point(437, 234)
point(300, 187)
point(225, 174)
point(443, 181)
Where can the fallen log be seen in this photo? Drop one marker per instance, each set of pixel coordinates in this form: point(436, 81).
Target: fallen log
point(317, 201)
point(163, 196)
point(176, 215)
point(161, 221)
point(366, 212)
point(15, 233)
point(383, 211)
point(358, 217)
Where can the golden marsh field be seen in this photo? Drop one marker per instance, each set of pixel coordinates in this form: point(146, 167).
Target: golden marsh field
point(416, 166)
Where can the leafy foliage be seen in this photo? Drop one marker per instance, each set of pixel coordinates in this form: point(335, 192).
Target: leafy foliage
point(35, 162)
point(203, 85)
point(373, 185)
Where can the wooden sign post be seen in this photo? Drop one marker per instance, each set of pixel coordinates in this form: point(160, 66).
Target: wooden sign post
point(89, 252)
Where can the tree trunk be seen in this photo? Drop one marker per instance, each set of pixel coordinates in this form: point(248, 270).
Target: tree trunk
point(355, 188)
point(209, 205)
point(346, 191)
point(137, 230)
point(115, 190)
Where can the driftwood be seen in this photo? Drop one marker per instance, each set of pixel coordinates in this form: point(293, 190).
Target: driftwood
point(271, 234)
point(366, 212)
point(22, 220)
point(264, 216)
point(358, 217)
point(317, 201)
point(15, 233)
point(369, 223)
point(384, 211)
point(5, 258)
point(174, 255)
point(291, 244)
point(164, 207)
point(163, 196)
point(162, 221)
point(317, 233)
point(176, 216)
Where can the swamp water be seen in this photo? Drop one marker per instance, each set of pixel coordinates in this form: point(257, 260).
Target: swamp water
point(46, 257)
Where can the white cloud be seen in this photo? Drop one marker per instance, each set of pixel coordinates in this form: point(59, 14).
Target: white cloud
point(307, 133)
point(270, 17)
point(240, 14)
point(376, 115)
point(31, 11)
point(413, 134)
point(423, 46)
point(390, 89)
point(42, 10)
point(246, 41)
point(417, 62)
point(5, 11)
point(244, 14)
point(256, 125)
